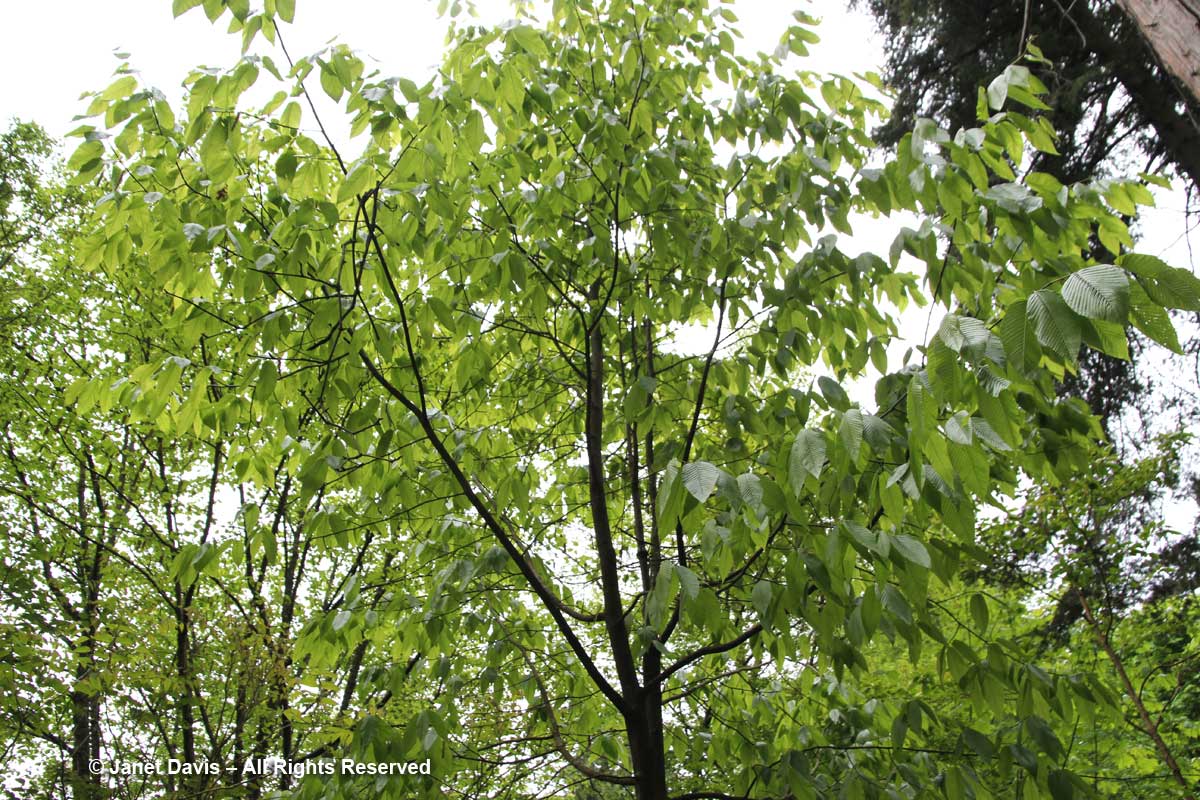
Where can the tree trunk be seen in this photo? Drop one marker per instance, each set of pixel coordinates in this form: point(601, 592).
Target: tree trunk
point(185, 711)
point(1156, 99)
point(1172, 29)
point(645, 751)
point(83, 779)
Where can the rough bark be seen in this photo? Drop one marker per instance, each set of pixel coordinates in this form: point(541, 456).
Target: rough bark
point(1172, 29)
point(1156, 100)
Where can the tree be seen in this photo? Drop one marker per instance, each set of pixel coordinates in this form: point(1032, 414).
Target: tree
point(1109, 97)
point(1119, 595)
point(1111, 101)
point(620, 562)
point(141, 621)
point(1172, 29)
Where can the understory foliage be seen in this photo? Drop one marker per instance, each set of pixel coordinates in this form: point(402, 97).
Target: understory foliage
point(395, 456)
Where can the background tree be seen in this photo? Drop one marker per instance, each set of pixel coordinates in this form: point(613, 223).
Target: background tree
point(1109, 96)
point(1172, 29)
point(153, 599)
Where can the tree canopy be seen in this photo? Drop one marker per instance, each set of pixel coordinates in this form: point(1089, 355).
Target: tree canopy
point(399, 455)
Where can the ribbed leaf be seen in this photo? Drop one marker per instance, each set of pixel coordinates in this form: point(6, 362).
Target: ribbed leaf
point(851, 432)
point(1017, 331)
point(689, 581)
point(1166, 285)
point(964, 333)
point(807, 458)
point(1150, 318)
point(700, 478)
point(1107, 337)
point(1099, 292)
point(751, 490)
point(1055, 324)
point(912, 550)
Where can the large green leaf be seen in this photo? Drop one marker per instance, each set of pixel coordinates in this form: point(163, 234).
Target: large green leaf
point(912, 549)
point(807, 457)
point(1151, 319)
point(1166, 285)
point(1055, 325)
point(700, 478)
point(1098, 292)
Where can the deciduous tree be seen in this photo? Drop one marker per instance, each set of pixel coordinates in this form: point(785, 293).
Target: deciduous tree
point(640, 564)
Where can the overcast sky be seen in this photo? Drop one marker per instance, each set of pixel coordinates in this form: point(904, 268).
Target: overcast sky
point(51, 51)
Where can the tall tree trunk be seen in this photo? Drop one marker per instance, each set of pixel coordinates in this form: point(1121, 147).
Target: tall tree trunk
point(645, 752)
point(1172, 29)
point(83, 779)
point(183, 670)
point(1156, 99)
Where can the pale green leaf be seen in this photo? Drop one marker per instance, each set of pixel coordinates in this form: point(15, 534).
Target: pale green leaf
point(700, 478)
point(912, 550)
point(1098, 292)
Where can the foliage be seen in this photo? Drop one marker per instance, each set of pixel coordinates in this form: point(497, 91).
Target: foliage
point(1113, 605)
point(488, 512)
point(1107, 90)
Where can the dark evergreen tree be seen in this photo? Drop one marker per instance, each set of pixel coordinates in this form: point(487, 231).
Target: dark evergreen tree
point(1109, 94)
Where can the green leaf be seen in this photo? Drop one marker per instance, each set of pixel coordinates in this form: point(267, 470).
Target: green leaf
point(877, 543)
point(661, 596)
point(1166, 285)
point(751, 489)
point(330, 82)
point(1107, 337)
point(912, 550)
point(1045, 737)
point(1061, 787)
point(963, 333)
point(833, 392)
point(851, 432)
point(700, 478)
point(978, 742)
point(896, 603)
point(761, 597)
point(179, 7)
point(1098, 292)
point(983, 429)
point(529, 40)
point(1151, 319)
point(286, 10)
point(979, 612)
point(807, 458)
point(1055, 323)
point(689, 582)
point(671, 495)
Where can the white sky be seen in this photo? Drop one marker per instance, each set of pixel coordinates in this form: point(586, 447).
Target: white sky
point(54, 50)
